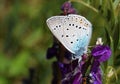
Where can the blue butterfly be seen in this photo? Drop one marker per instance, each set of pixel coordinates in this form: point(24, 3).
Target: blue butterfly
point(73, 31)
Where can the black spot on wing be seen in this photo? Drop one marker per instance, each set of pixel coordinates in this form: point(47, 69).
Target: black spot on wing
point(56, 27)
point(59, 25)
point(71, 42)
point(67, 36)
point(67, 29)
point(76, 26)
point(79, 27)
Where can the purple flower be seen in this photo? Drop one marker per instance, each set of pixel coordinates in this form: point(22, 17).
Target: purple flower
point(96, 77)
point(68, 55)
point(95, 66)
point(101, 52)
point(77, 78)
point(67, 68)
point(68, 9)
point(66, 6)
point(71, 11)
point(51, 52)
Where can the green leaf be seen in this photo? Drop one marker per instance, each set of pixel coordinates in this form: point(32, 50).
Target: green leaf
point(19, 65)
point(116, 3)
point(119, 31)
point(33, 38)
point(110, 42)
point(85, 4)
point(3, 80)
point(4, 65)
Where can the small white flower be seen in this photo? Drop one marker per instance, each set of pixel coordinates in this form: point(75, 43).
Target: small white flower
point(99, 41)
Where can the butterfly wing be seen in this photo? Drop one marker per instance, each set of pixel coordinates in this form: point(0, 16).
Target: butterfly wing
point(73, 31)
point(56, 25)
point(77, 31)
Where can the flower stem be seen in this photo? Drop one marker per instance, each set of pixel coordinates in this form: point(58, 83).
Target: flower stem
point(85, 4)
point(86, 66)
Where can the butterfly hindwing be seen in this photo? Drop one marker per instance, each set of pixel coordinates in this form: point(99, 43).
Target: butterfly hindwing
point(78, 32)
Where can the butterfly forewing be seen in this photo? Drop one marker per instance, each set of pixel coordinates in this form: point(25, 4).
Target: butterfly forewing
point(56, 26)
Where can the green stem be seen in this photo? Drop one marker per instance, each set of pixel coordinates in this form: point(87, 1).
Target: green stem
point(85, 4)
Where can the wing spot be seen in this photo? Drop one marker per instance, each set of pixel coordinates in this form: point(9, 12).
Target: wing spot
point(76, 26)
point(84, 28)
point(73, 35)
point(67, 29)
point(71, 42)
point(87, 34)
point(86, 24)
point(67, 36)
point(59, 25)
point(76, 19)
point(77, 40)
point(72, 24)
point(54, 28)
point(81, 21)
point(69, 24)
point(79, 27)
point(62, 35)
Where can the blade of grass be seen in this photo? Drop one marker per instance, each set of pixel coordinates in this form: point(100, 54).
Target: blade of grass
point(85, 4)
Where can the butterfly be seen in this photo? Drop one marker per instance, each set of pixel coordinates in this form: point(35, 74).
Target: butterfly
point(73, 31)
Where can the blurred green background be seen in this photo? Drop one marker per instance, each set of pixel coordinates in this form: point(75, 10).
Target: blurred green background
point(25, 37)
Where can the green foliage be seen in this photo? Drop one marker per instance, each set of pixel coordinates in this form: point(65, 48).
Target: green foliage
point(24, 36)
point(19, 64)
